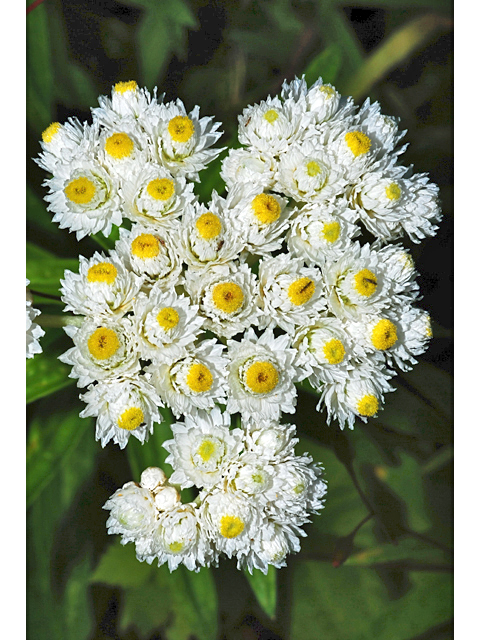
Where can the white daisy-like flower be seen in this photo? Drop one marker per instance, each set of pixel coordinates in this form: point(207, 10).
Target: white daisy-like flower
point(132, 513)
point(124, 407)
point(127, 100)
point(261, 375)
point(33, 330)
point(248, 166)
point(270, 547)
point(102, 288)
point(123, 147)
point(227, 297)
point(165, 323)
point(195, 380)
point(400, 267)
point(321, 99)
point(103, 350)
point(62, 142)
point(202, 449)
point(268, 439)
point(381, 129)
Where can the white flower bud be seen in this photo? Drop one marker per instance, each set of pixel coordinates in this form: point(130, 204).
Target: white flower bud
point(153, 477)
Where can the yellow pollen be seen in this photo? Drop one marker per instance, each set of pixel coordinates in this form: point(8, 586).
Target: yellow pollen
point(102, 272)
point(261, 377)
point(428, 327)
point(358, 142)
point(270, 116)
point(266, 208)
point(122, 87)
point(365, 282)
point(334, 351)
point(131, 419)
point(328, 91)
point(231, 526)
point(313, 168)
point(51, 131)
point(384, 334)
point(168, 318)
point(103, 343)
point(301, 290)
point(299, 488)
point(393, 191)
point(119, 146)
point(181, 128)
point(80, 191)
point(206, 450)
point(367, 406)
point(161, 188)
point(145, 246)
point(175, 547)
point(227, 296)
point(331, 231)
point(208, 226)
point(199, 378)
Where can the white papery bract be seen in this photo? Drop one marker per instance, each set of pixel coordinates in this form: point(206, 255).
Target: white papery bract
point(33, 330)
point(132, 512)
point(248, 166)
point(127, 101)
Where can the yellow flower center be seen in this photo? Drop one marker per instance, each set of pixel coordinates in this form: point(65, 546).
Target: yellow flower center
point(102, 272)
point(131, 419)
point(358, 142)
point(119, 146)
point(122, 87)
point(199, 378)
point(313, 168)
point(181, 128)
point(270, 116)
point(331, 231)
point(227, 296)
point(80, 191)
point(206, 450)
point(299, 488)
point(161, 188)
point(334, 351)
point(266, 208)
point(328, 91)
point(301, 290)
point(393, 191)
point(175, 547)
point(384, 334)
point(428, 327)
point(367, 406)
point(168, 318)
point(103, 343)
point(365, 282)
point(261, 377)
point(208, 226)
point(231, 526)
point(145, 246)
point(50, 132)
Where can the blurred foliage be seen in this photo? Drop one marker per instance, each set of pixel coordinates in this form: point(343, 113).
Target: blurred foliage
point(377, 562)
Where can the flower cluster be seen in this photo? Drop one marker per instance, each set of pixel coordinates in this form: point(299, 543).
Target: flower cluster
point(34, 330)
point(254, 496)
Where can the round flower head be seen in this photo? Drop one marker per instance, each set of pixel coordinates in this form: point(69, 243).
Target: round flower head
point(382, 131)
point(202, 449)
point(261, 375)
point(399, 265)
point(228, 298)
point(84, 197)
point(195, 380)
point(322, 100)
point(291, 294)
point(103, 350)
point(165, 322)
point(132, 513)
point(270, 547)
point(154, 196)
point(248, 166)
point(151, 253)
point(102, 288)
point(123, 147)
point(33, 330)
point(123, 407)
point(268, 439)
point(127, 100)
point(62, 142)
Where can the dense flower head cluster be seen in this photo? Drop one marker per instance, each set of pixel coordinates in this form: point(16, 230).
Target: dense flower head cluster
point(220, 309)
point(34, 331)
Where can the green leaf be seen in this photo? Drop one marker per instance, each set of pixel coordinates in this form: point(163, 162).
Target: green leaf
point(39, 70)
point(265, 589)
point(325, 65)
point(44, 270)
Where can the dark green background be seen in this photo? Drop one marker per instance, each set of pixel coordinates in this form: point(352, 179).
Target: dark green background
point(389, 579)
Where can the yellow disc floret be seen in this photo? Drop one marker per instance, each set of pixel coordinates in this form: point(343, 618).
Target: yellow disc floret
point(161, 188)
point(300, 291)
point(393, 191)
point(119, 146)
point(384, 334)
point(206, 450)
point(227, 296)
point(208, 226)
point(103, 343)
point(176, 547)
point(131, 419)
point(181, 128)
point(428, 327)
point(199, 378)
point(102, 272)
point(365, 282)
point(168, 318)
point(261, 377)
point(231, 526)
point(270, 116)
point(331, 231)
point(313, 168)
point(367, 406)
point(51, 131)
point(81, 190)
point(334, 351)
point(358, 142)
point(145, 246)
point(327, 90)
point(266, 208)
point(122, 87)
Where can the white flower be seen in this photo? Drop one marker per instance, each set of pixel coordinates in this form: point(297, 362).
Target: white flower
point(248, 166)
point(321, 99)
point(123, 147)
point(104, 287)
point(62, 142)
point(33, 330)
point(270, 547)
point(127, 100)
point(132, 513)
point(268, 439)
